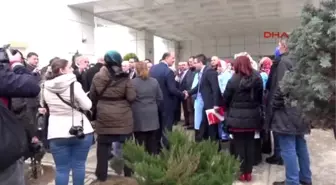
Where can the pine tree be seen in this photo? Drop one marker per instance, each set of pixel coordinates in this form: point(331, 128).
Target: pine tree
point(186, 163)
point(311, 84)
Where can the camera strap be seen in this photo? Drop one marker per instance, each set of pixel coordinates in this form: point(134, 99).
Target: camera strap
point(71, 103)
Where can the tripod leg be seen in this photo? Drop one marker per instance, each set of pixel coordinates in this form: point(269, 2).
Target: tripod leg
point(34, 168)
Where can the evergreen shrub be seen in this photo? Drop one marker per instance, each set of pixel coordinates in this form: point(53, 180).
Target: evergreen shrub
point(311, 83)
point(129, 56)
point(186, 163)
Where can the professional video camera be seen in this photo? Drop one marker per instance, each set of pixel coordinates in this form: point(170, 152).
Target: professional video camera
point(4, 53)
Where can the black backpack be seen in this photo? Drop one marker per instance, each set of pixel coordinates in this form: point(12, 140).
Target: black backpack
point(13, 137)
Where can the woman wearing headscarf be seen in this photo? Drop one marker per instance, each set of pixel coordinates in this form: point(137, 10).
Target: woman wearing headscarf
point(112, 93)
point(265, 68)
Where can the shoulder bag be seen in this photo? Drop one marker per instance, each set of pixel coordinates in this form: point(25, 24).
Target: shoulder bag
point(100, 95)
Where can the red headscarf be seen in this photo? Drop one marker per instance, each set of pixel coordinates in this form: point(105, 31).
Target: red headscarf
point(265, 65)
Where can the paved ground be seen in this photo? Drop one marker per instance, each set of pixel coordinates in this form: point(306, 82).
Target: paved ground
point(322, 147)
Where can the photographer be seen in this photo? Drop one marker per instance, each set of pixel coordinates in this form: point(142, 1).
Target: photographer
point(13, 85)
point(70, 133)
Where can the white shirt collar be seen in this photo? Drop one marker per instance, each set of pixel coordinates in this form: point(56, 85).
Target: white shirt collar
point(202, 69)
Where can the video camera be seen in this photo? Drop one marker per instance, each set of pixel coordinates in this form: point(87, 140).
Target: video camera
point(4, 55)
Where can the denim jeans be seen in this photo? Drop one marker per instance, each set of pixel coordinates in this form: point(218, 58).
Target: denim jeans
point(13, 175)
point(70, 154)
point(294, 152)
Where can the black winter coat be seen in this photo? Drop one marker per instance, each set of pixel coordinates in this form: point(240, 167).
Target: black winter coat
point(88, 76)
point(271, 85)
point(286, 119)
point(243, 97)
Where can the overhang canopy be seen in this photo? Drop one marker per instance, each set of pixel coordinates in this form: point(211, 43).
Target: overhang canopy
point(190, 19)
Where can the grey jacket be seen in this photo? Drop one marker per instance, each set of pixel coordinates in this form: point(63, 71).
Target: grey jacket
point(145, 106)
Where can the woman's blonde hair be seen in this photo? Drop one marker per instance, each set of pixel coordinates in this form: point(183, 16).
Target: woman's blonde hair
point(141, 70)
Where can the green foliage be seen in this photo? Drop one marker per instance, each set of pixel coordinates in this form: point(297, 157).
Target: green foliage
point(312, 82)
point(186, 163)
point(129, 56)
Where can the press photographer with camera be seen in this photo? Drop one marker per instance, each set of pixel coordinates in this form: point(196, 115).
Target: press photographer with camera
point(15, 82)
point(70, 133)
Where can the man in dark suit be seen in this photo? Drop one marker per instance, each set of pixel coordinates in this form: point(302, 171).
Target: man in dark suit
point(165, 77)
point(132, 62)
point(89, 74)
point(208, 90)
point(185, 82)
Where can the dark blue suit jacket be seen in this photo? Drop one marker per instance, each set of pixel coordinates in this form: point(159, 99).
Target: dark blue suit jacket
point(165, 76)
point(187, 81)
point(209, 88)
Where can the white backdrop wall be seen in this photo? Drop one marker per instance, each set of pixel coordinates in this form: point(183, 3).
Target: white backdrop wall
point(161, 46)
point(116, 37)
point(226, 47)
point(49, 28)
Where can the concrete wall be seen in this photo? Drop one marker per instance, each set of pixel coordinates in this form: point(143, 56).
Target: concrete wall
point(49, 28)
point(226, 47)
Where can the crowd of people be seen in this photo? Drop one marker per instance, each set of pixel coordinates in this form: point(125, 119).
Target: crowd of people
point(118, 100)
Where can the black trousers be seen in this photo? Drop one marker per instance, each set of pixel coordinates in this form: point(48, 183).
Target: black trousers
point(166, 125)
point(148, 139)
point(206, 131)
point(103, 156)
point(257, 152)
point(243, 144)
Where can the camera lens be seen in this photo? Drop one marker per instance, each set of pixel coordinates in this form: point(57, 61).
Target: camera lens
point(80, 134)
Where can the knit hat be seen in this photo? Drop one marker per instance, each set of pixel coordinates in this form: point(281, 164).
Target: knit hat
point(113, 58)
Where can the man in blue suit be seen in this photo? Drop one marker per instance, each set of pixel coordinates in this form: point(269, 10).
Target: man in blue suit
point(165, 76)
